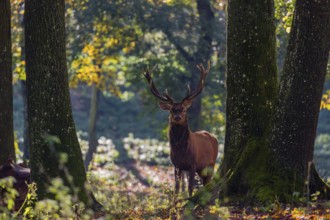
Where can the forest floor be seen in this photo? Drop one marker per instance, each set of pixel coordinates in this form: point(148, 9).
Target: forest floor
point(131, 198)
point(136, 181)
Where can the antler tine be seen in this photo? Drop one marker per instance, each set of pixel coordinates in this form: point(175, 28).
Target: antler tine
point(188, 90)
point(166, 98)
point(202, 69)
point(199, 89)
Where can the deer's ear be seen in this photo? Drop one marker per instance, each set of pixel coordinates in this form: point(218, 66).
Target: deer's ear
point(187, 103)
point(165, 106)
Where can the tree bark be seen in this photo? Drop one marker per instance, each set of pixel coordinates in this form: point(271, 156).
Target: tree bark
point(92, 139)
point(51, 127)
point(201, 55)
point(252, 88)
point(266, 156)
point(305, 66)
point(6, 91)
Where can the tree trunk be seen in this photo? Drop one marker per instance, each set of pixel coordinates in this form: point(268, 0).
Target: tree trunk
point(26, 148)
point(296, 118)
point(6, 90)
point(251, 95)
point(92, 139)
point(201, 55)
point(252, 87)
point(271, 157)
point(51, 127)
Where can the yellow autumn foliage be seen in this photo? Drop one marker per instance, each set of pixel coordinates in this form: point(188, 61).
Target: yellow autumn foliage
point(97, 64)
point(130, 47)
point(111, 42)
point(89, 50)
point(325, 101)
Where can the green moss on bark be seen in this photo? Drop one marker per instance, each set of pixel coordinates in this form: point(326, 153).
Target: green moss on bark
point(257, 178)
point(252, 75)
point(269, 141)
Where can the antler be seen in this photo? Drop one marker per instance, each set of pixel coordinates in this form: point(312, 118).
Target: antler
point(165, 98)
point(199, 89)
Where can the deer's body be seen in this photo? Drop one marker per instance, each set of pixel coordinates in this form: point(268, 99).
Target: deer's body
point(190, 151)
point(195, 152)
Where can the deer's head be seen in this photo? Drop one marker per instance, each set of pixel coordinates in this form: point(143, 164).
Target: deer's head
point(178, 110)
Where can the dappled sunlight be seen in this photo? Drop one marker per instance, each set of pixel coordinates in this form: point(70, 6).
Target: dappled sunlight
point(245, 89)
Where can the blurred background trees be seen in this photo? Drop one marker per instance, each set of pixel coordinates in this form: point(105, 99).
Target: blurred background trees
point(110, 44)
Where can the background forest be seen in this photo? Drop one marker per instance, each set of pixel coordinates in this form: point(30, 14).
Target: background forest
point(109, 46)
point(121, 130)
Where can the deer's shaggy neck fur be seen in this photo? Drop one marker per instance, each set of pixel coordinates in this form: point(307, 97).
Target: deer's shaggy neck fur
point(179, 134)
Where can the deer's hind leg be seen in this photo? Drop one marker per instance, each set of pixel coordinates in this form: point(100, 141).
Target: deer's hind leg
point(191, 180)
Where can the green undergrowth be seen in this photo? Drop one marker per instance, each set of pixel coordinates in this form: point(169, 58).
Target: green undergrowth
point(117, 204)
point(61, 207)
point(124, 195)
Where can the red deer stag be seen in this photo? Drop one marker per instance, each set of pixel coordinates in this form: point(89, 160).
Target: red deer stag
point(190, 151)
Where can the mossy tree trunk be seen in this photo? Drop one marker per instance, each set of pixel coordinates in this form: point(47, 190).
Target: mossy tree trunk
point(251, 95)
point(51, 127)
point(270, 134)
point(6, 89)
point(293, 136)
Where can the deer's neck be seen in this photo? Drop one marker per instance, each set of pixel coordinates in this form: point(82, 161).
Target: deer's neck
point(179, 135)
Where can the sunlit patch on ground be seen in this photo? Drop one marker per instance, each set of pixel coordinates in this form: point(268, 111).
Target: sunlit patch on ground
point(147, 192)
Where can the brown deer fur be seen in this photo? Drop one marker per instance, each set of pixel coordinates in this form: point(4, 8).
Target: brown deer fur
point(195, 152)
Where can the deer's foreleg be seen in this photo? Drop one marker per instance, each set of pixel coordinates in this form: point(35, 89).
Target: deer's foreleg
point(183, 182)
point(177, 174)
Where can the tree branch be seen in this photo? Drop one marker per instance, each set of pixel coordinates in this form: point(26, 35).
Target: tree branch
point(181, 50)
point(206, 21)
